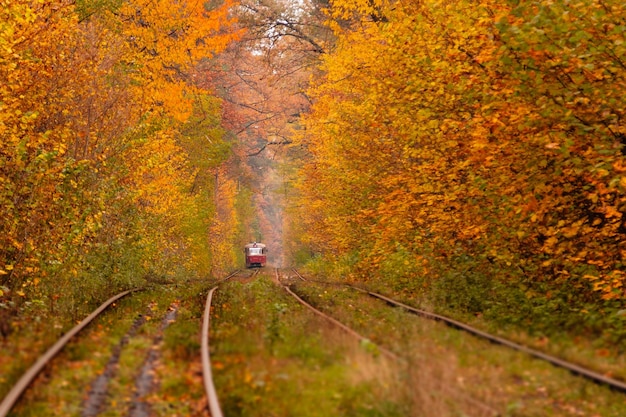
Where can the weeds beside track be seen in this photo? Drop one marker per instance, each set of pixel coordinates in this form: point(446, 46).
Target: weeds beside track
point(514, 383)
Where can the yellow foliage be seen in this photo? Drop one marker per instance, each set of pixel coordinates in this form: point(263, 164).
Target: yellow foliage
point(90, 164)
point(474, 128)
point(165, 40)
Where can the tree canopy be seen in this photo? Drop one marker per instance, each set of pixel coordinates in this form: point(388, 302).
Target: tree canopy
point(476, 144)
point(107, 140)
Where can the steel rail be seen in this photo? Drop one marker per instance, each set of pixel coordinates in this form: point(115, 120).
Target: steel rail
point(18, 389)
point(476, 403)
point(254, 273)
point(575, 369)
point(229, 276)
point(339, 324)
point(207, 376)
point(298, 274)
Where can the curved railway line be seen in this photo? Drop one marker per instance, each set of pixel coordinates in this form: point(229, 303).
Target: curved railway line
point(572, 367)
point(207, 375)
point(484, 407)
point(27, 379)
point(209, 388)
point(345, 328)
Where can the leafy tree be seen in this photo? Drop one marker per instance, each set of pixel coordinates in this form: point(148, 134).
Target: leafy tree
point(476, 139)
point(102, 155)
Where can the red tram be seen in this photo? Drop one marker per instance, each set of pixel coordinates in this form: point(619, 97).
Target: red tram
point(255, 255)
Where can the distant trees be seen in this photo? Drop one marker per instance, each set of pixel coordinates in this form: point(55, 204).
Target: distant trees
point(264, 76)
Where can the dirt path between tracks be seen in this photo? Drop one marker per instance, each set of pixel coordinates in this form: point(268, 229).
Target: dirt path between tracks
point(145, 382)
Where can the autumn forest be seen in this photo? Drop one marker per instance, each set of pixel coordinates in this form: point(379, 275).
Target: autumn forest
point(471, 153)
point(467, 155)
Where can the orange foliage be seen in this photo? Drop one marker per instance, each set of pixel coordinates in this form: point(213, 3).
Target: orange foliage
point(476, 129)
point(95, 173)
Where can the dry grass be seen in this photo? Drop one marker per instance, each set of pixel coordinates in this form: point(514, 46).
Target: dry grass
point(450, 373)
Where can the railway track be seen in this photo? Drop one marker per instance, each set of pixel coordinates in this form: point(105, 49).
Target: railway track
point(27, 379)
point(485, 408)
point(207, 374)
point(402, 360)
point(337, 323)
point(94, 404)
point(586, 373)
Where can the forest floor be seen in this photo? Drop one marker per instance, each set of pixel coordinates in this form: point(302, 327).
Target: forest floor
point(272, 356)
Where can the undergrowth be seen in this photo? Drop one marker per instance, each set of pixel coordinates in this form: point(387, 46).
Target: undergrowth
point(272, 355)
point(450, 373)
